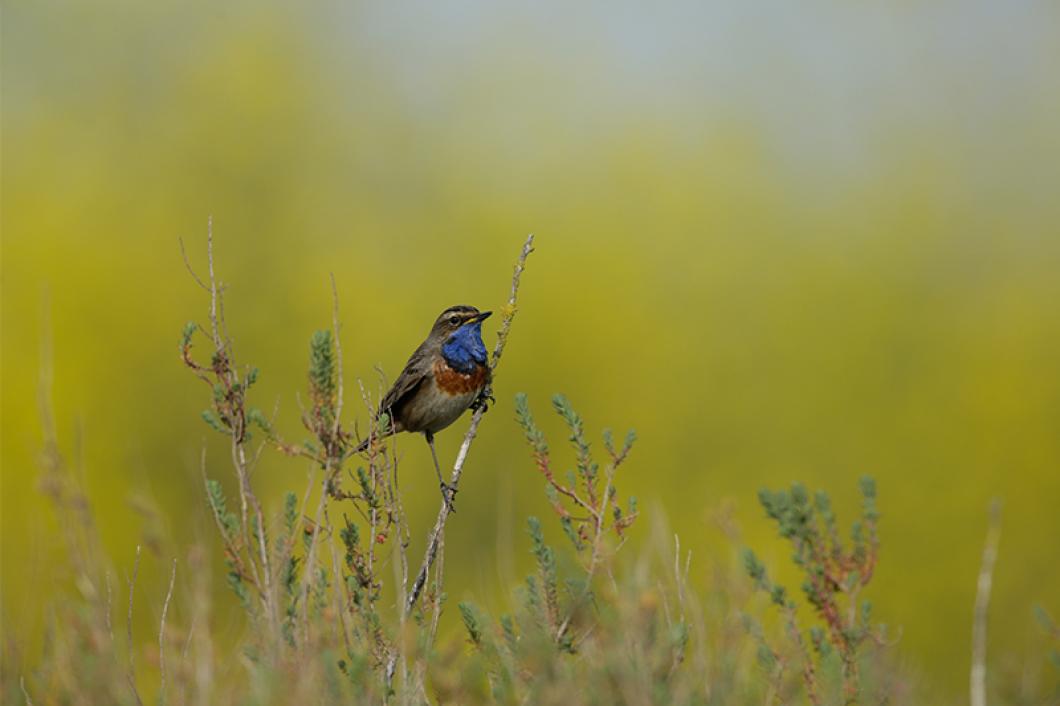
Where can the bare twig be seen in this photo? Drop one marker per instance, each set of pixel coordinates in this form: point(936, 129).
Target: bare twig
point(110, 626)
point(223, 367)
point(434, 539)
point(240, 459)
point(128, 628)
point(25, 694)
point(232, 549)
point(439, 571)
point(162, 635)
point(187, 263)
point(215, 332)
point(982, 603)
point(184, 660)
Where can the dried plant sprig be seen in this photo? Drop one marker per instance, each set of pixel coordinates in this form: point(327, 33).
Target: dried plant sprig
point(594, 512)
point(229, 415)
point(778, 595)
point(586, 512)
point(834, 575)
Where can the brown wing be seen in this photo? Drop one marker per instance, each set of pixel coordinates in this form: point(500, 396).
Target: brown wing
point(415, 372)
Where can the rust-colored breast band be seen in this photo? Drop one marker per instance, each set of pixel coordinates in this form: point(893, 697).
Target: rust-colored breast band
point(454, 382)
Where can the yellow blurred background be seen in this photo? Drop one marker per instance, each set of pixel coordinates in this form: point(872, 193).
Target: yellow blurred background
point(783, 241)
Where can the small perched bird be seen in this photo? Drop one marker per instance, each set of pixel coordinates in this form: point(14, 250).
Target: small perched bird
point(447, 375)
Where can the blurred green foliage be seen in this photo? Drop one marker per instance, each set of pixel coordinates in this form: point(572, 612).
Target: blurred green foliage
point(802, 254)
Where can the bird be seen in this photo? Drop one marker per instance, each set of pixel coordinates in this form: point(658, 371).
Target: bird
point(445, 376)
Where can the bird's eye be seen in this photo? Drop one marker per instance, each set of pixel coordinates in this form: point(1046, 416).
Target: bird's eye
point(453, 321)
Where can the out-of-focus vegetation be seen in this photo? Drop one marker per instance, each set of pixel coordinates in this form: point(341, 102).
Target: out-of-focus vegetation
point(593, 630)
point(810, 243)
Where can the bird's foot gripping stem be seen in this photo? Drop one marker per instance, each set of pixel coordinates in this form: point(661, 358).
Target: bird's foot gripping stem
point(449, 496)
point(484, 400)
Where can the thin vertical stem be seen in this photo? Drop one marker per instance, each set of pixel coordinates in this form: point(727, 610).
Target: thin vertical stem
point(982, 603)
point(162, 635)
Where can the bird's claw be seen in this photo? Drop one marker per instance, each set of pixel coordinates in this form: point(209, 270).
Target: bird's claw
point(483, 401)
point(448, 496)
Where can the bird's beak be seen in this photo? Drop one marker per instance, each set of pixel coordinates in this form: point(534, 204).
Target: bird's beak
point(479, 317)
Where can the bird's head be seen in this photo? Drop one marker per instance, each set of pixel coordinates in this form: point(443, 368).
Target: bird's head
point(459, 329)
point(457, 317)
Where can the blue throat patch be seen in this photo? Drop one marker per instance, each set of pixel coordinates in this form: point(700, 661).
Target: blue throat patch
point(465, 349)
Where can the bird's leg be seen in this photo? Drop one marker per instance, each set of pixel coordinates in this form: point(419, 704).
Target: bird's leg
point(448, 491)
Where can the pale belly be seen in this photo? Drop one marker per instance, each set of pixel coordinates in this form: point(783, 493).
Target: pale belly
point(434, 409)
